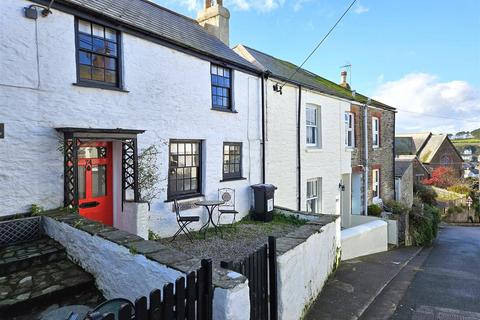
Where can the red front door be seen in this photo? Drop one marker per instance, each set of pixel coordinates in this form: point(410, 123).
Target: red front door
point(95, 200)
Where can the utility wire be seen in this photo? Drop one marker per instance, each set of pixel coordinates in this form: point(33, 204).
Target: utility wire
point(319, 44)
point(439, 116)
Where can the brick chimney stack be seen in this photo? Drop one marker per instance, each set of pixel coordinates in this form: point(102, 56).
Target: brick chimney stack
point(215, 19)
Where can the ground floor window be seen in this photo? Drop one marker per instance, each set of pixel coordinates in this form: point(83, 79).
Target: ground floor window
point(232, 160)
point(376, 183)
point(314, 192)
point(184, 176)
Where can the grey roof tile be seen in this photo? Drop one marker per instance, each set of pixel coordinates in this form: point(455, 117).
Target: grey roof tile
point(164, 23)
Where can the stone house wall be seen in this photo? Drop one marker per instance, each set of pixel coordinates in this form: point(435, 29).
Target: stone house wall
point(406, 187)
point(378, 158)
point(447, 150)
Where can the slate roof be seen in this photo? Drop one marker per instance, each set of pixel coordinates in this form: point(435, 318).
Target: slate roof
point(284, 69)
point(404, 146)
point(164, 23)
point(402, 165)
point(425, 145)
point(419, 139)
point(431, 147)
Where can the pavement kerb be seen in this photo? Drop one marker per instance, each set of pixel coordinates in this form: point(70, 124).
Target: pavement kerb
point(379, 291)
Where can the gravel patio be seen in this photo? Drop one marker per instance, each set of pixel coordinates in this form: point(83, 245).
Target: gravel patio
point(237, 242)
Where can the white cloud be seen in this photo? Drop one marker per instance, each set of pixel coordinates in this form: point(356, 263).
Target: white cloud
point(298, 4)
point(359, 9)
point(424, 93)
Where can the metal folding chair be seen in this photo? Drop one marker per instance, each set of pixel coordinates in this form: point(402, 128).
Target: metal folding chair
point(227, 195)
point(183, 222)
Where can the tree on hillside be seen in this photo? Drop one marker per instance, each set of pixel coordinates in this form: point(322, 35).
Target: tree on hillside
point(476, 133)
point(442, 177)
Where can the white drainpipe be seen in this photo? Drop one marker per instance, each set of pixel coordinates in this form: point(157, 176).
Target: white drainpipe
point(365, 135)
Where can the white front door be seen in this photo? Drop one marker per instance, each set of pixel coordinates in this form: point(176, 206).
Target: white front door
point(356, 193)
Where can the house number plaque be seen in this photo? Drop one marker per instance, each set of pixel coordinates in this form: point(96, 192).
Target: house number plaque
point(2, 130)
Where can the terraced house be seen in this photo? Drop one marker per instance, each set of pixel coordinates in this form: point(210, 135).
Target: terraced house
point(88, 86)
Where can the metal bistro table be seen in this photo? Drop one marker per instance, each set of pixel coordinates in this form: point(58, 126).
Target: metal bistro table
point(210, 205)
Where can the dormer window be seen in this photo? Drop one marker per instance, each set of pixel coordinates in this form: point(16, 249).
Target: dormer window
point(221, 87)
point(97, 54)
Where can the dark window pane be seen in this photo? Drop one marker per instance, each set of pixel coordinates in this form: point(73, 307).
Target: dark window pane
point(85, 72)
point(85, 41)
point(99, 181)
point(84, 57)
point(81, 182)
point(98, 45)
point(111, 48)
point(110, 76)
point(110, 63)
point(98, 61)
point(98, 74)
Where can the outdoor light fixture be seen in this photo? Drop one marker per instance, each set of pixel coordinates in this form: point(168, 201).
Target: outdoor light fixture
point(31, 11)
point(277, 88)
point(341, 186)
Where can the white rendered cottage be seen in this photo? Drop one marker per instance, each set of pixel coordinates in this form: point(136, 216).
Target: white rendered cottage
point(104, 80)
point(306, 155)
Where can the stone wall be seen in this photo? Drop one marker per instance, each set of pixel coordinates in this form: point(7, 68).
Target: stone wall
point(127, 266)
point(406, 187)
point(447, 150)
point(378, 158)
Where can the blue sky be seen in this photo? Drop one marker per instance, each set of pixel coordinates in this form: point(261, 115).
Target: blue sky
point(418, 55)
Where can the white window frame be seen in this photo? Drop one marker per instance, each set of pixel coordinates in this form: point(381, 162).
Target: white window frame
point(375, 132)
point(317, 126)
point(349, 130)
point(315, 197)
point(376, 183)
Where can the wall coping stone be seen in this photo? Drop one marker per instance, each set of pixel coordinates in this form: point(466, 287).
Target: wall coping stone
point(150, 249)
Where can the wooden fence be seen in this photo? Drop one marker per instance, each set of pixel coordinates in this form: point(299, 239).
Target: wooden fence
point(189, 298)
point(261, 270)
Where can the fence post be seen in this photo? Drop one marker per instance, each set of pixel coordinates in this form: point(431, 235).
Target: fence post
point(207, 265)
point(272, 267)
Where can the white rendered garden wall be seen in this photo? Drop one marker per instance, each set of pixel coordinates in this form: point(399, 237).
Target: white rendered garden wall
point(364, 239)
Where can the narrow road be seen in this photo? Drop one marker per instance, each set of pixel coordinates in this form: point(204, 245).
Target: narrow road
point(441, 282)
point(447, 286)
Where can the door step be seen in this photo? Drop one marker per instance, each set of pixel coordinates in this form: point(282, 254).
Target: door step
point(22, 256)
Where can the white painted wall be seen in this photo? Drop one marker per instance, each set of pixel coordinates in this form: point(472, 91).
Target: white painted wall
point(302, 271)
point(364, 239)
point(328, 162)
point(356, 220)
point(169, 97)
point(118, 273)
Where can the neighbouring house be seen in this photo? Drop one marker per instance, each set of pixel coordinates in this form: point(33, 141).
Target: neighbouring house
point(86, 89)
point(467, 155)
point(408, 171)
point(433, 150)
point(305, 154)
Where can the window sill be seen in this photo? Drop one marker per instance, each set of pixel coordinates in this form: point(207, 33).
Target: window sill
point(185, 197)
point(233, 179)
point(313, 149)
point(349, 149)
point(224, 110)
point(98, 86)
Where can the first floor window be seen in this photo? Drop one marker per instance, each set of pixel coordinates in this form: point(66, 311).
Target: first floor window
point(97, 53)
point(312, 120)
point(184, 168)
point(221, 87)
point(232, 160)
point(314, 190)
point(349, 130)
point(376, 183)
point(375, 132)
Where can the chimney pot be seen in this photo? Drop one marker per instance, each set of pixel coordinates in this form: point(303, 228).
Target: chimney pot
point(215, 19)
point(343, 79)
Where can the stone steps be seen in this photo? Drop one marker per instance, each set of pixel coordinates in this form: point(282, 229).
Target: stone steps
point(26, 255)
point(38, 277)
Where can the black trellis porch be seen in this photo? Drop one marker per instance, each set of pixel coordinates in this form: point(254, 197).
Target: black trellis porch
point(74, 137)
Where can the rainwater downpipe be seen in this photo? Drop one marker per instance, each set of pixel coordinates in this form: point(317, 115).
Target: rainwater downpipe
point(299, 165)
point(263, 128)
point(365, 144)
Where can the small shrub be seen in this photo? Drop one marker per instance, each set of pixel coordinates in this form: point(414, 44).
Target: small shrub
point(451, 210)
point(374, 210)
point(442, 177)
point(426, 194)
point(397, 208)
point(460, 188)
point(458, 209)
point(153, 236)
point(35, 209)
point(424, 221)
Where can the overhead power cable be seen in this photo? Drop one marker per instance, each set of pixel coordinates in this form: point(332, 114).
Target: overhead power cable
point(319, 44)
